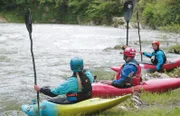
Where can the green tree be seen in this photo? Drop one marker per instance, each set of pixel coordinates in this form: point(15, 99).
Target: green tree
point(157, 13)
point(78, 9)
point(101, 11)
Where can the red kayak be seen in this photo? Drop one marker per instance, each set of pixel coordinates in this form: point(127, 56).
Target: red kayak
point(169, 65)
point(154, 85)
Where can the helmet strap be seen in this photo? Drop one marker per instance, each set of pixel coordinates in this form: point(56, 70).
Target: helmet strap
point(125, 57)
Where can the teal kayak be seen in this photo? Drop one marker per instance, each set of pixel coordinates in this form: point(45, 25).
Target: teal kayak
point(84, 107)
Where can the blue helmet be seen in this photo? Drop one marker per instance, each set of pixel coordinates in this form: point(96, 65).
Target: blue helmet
point(76, 64)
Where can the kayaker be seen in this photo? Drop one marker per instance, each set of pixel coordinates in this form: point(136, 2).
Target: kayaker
point(77, 87)
point(157, 57)
point(130, 72)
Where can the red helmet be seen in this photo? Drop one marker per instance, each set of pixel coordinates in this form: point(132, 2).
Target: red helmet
point(130, 52)
point(156, 42)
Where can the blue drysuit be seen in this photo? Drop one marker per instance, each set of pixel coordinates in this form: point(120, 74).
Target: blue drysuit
point(128, 71)
point(70, 86)
point(159, 60)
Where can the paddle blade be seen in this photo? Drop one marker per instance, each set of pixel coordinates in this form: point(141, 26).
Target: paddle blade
point(128, 10)
point(28, 20)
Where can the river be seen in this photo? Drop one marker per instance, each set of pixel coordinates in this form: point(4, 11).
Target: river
point(54, 46)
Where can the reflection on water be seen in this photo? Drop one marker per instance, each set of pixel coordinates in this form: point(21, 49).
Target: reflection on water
point(54, 45)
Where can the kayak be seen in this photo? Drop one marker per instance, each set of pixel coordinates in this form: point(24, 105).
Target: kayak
point(84, 107)
point(153, 85)
point(169, 65)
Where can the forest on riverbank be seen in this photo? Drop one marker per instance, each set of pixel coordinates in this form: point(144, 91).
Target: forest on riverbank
point(154, 13)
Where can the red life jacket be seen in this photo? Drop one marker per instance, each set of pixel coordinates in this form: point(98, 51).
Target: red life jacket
point(136, 79)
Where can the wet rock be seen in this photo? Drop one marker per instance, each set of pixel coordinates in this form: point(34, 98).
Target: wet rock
point(118, 22)
point(175, 73)
point(149, 76)
point(137, 102)
point(107, 49)
point(53, 21)
point(118, 47)
point(123, 108)
point(174, 49)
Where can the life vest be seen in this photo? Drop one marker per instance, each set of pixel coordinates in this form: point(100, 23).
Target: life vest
point(136, 79)
point(86, 92)
point(154, 59)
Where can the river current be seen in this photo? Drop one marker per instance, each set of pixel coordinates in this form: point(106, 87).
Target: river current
point(54, 46)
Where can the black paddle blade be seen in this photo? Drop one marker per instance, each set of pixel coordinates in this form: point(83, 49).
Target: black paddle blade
point(28, 20)
point(128, 10)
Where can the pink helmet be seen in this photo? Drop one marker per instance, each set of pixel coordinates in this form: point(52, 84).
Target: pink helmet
point(130, 52)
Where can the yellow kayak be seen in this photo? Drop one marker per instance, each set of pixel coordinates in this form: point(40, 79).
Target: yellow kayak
point(84, 107)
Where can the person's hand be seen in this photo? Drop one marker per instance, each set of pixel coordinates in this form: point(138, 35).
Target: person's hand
point(36, 88)
point(141, 52)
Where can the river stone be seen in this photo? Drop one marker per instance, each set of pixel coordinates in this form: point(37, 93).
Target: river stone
point(149, 76)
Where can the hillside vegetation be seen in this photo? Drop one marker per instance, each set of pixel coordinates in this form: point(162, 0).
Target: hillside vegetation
point(154, 13)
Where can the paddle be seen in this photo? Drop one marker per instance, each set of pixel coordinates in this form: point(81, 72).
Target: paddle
point(28, 21)
point(137, 17)
point(128, 11)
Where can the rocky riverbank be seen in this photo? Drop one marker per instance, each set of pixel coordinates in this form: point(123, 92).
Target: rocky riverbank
point(2, 20)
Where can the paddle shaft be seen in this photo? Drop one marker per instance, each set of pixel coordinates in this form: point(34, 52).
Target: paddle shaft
point(28, 22)
point(34, 68)
point(127, 33)
point(32, 54)
point(137, 16)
